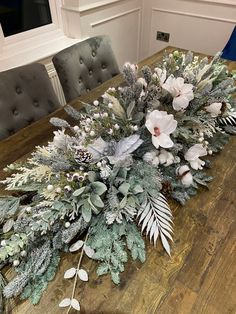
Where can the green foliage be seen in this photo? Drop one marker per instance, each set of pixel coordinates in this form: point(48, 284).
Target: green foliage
point(8, 207)
point(109, 245)
point(218, 141)
point(39, 283)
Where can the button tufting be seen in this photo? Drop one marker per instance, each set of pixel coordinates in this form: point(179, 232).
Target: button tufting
point(99, 82)
point(36, 103)
point(80, 60)
point(15, 112)
point(18, 90)
point(90, 72)
point(104, 66)
point(88, 89)
point(93, 53)
point(80, 81)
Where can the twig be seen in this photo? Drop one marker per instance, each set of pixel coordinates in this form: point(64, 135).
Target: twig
point(76, 274)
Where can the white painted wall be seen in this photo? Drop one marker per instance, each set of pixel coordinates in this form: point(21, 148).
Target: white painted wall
point(120, 20)
point(198, 25)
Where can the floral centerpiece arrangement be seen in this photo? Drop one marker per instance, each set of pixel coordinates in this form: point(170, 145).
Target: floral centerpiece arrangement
point(110, 176)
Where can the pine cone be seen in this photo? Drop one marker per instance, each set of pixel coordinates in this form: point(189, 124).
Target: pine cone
point(83, 156)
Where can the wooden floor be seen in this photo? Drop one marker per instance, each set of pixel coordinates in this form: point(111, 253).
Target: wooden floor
point(200, 277)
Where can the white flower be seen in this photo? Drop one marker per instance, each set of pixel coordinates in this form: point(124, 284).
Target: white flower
point(116, 126)
point(185, 175)
point(182, 93)
point(193, 154)
point(161, 74)
point(110, 105)
point(161, 125)
point(149, 156)
point(166, 158)
point(92, 133)
point(96, 103)
point(155, 161)
point(214, 109)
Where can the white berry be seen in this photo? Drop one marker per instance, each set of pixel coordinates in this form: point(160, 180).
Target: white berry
point(28, 209)
point(23, 253)
point(110, 105)
point(3, 243)
point(92, 133)
point(50, 188)
point(67, 224)
point(116, 126)
point(16, 263)
point(76, 128)
point(58, 190)
point(96, 102)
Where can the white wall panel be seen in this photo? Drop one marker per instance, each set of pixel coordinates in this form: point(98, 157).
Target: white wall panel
point(200, 25)
point(121, 21)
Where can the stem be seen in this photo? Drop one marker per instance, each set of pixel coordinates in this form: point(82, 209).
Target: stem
point(76, 275)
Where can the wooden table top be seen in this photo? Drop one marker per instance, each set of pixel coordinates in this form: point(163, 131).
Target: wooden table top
point(200, 276)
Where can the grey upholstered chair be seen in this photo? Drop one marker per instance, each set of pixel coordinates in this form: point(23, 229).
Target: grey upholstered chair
point(26, 95)
point(85, 65)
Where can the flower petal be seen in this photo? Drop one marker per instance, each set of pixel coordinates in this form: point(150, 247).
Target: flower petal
point(155, 141)
point(180, 103)
point(168, 125)
point(165, 140)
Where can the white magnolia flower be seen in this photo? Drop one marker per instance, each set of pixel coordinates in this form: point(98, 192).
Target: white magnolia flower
point(185, 175)
point(161, 74)
point(166, 158)
point(193, 154)
point(161, 125)
point(182, 93)
point(214, 109)
point(149, 156)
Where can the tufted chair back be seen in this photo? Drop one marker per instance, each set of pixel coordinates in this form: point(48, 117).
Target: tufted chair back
point(26, 95)
point(85, 65)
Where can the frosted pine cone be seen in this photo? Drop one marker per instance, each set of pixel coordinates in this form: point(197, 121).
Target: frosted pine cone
point(83, 156)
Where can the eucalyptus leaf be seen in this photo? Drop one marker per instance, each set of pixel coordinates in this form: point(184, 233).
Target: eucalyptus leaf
point(130, 109)
point(89, 251)
point(65, 302)
point(70, 273)
point(79, 191)
point(87, 212)
point(76, 246)
point(96, 200)
point(124, 188)
point(83, 275)
point(75, 304)
point(98, 187)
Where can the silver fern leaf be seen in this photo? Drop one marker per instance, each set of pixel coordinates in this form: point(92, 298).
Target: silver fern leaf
point(228, 120)
point(156, 218)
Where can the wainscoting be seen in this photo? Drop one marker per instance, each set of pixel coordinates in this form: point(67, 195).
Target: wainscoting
point(200, 25)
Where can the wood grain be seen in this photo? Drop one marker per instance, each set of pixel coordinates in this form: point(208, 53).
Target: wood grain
point(200, 276)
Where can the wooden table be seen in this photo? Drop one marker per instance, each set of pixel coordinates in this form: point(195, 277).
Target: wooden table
point(200, 277)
